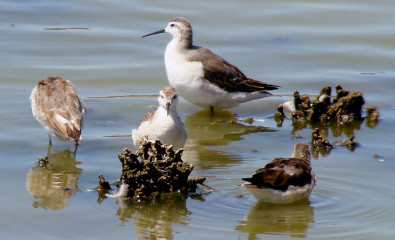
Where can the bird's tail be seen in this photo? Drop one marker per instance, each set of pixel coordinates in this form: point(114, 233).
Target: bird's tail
point(258, 86)
point(247, 179)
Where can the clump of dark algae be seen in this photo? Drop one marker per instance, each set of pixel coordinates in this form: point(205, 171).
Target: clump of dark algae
point(104, 185)
point(372, 117)
point(154, 169)
point(279, 116)
point(345, 107)
point(341, 115)
point(43, 162)
point(103, 188)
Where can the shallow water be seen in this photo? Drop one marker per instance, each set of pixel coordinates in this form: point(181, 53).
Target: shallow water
point(300, 46)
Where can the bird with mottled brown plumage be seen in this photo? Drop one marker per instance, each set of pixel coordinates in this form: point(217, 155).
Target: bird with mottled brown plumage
point(58, 108)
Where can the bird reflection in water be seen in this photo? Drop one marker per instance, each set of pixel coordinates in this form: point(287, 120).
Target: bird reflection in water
point(53, 180)
point(266, 218)
point(221, 129)
point(154, 219)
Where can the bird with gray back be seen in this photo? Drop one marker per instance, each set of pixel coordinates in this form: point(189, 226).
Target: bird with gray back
point(202, 77)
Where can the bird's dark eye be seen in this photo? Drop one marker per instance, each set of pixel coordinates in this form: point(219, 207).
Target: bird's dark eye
point(172, 25)
point(175, 97)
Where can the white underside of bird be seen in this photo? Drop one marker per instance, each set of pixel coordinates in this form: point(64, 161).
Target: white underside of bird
point(187, 77)
point(168, 129)
point(292, 194)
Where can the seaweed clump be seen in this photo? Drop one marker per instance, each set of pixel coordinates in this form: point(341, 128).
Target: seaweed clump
point(103, 188)
point(372, 117)
point(43, 162)
point(104, 185)
point(345, 107)
point(342, 114)
point(160, 170)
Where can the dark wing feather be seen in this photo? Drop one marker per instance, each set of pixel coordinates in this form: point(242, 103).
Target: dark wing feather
point(223, 74)
point(275, 174)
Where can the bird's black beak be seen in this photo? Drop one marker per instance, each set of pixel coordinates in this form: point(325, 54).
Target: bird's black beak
point(168, 107)
point(149, 34)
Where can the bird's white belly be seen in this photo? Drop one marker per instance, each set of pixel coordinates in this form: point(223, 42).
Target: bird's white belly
point(188, 79)
point(165, 129)
point(293, 193)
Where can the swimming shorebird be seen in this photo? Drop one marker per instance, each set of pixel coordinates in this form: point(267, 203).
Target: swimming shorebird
point(202, 77)
point(58, 108)
point(284, 180)
point(163, 123)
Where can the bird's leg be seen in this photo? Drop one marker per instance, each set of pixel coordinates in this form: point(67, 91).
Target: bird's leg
point(76, 146)
point(49, 150)
point(212, 110)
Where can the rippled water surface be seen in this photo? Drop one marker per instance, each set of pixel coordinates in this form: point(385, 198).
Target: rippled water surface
point(299, 45)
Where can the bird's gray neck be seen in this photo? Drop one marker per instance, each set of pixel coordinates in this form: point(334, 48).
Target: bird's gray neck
point(184, 41)
point(301, 155)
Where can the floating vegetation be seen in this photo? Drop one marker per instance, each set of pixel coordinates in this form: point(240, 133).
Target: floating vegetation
point(345, 107)
point(103, 188)
point(159, 170)
point(249, 120)
point(340, 115)
point(43, 162)
point(372, 117)
point(104, 185)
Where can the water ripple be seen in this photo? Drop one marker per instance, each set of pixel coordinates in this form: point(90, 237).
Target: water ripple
point(352, 199)
point(345, 199)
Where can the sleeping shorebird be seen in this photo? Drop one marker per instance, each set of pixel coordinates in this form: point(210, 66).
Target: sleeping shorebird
point(202, 77)
point(58, 108)
point(284, 180)
point(163, 123)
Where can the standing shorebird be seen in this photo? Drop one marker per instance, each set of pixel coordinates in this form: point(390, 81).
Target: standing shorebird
point(163, 123)
point(202, 77)
point(58, 108)
point(284, 180)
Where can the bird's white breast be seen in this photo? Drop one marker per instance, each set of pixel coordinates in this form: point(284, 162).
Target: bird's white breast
point(168, 129)
point(292, 194)
point(181, 72)
point(187, 77)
